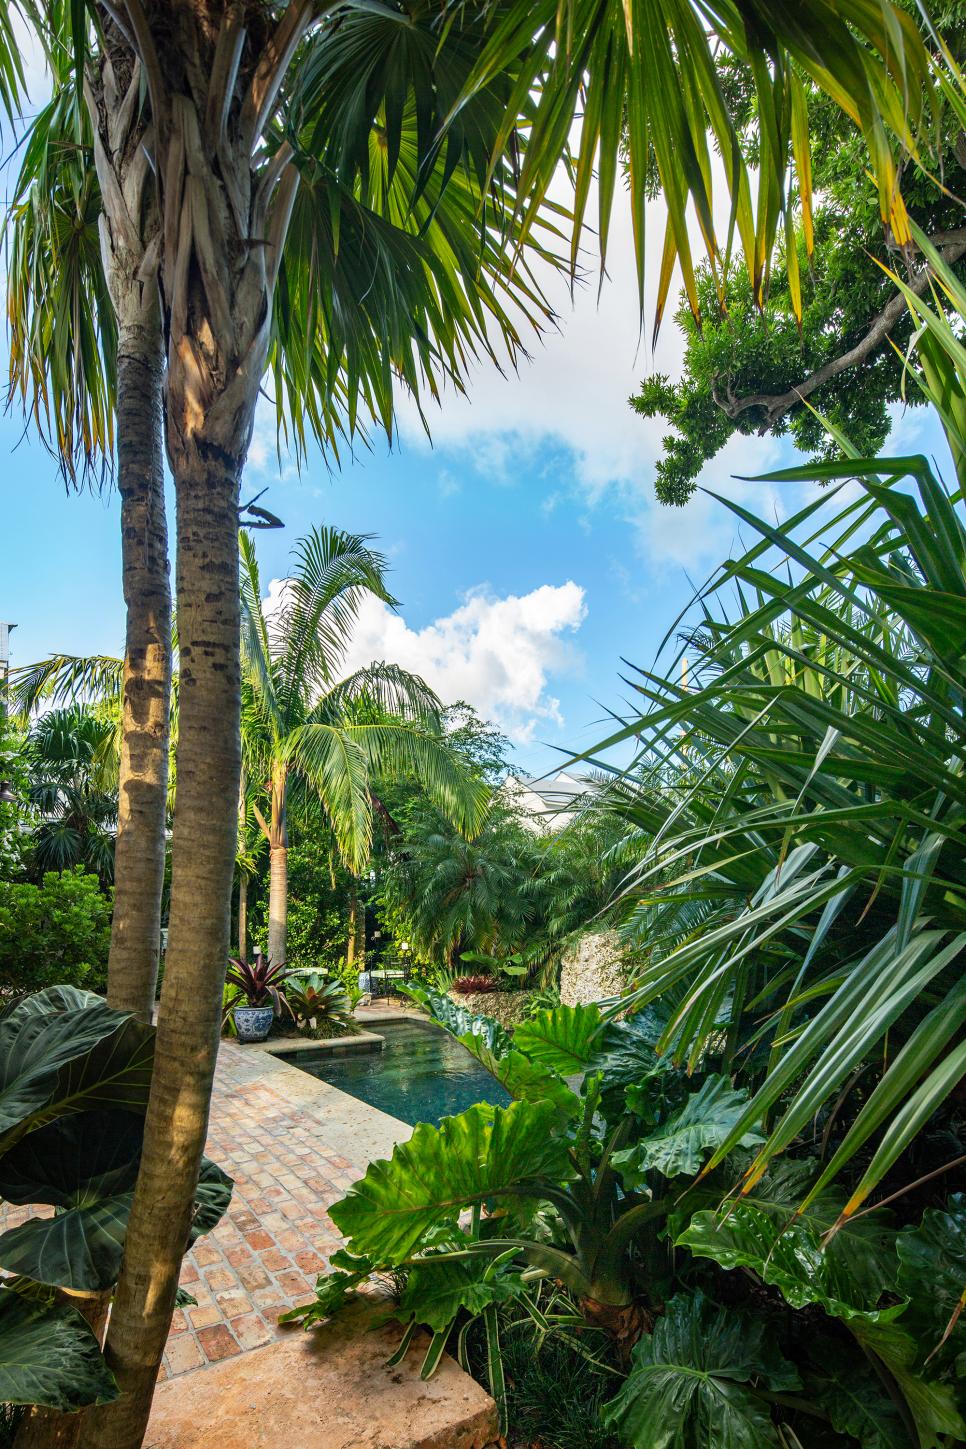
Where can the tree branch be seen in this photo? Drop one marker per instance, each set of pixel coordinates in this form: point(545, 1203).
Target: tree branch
point(952, 244)
point(262, 825)
point(224, 73)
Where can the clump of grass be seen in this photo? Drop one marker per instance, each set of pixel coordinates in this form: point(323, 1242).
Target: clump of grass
point(557, 1383)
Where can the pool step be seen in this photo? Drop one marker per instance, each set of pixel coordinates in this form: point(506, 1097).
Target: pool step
point(328, 1388)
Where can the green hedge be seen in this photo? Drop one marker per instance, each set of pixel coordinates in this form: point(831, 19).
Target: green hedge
point(56, 932)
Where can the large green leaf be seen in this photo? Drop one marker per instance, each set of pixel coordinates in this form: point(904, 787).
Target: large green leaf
point(49, 1356)
point(681, 1144)
point(932, 1275)
point(685, 1389)
point(63, 1052)
point(429, 1180)
point(932, 1404)
point(846, 1278)
point(563, 1037)
point(842, 1382)
point(435, 1291)
point(85, 1166)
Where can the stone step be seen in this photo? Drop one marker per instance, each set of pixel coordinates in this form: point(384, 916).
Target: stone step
point(328, 1388)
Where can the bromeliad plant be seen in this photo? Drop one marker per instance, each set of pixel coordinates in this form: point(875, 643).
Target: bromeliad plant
point(314, 997)
point(260, 982)
point(592, 1178)
point(74, 1081)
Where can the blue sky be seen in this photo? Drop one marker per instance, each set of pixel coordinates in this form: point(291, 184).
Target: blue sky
point(526, 547)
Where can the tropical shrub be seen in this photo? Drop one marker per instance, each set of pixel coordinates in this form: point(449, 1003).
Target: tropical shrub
point(59, 931)
point(816, 821)
point(470, 984)
point(74, 1081)
point(598, 1176)
point(313, 998)
point(260, 981)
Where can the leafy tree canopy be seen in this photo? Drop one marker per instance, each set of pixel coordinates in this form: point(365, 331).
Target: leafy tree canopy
point(744, 367)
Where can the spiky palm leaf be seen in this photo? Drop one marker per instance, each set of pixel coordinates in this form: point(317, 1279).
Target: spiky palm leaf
point(829, 804)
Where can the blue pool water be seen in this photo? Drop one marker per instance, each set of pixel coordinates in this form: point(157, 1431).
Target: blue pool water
point(421, 1075)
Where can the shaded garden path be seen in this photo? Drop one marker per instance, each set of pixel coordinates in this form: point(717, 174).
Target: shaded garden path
point(293, 1145)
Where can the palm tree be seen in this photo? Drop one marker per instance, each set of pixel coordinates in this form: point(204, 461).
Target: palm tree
point(456, 894)
point(86, 358)
point(306, 727)
point(270, 121)
point(71, 757)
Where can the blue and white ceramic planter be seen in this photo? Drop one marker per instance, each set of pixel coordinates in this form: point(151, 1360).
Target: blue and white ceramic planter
point(253, 1023)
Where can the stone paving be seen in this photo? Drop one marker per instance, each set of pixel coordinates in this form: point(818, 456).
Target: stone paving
point(277, 1132)
point(293, 1145)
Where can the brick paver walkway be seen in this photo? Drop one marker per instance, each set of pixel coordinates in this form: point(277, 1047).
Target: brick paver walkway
point(276, 1237)
point(277, 1131)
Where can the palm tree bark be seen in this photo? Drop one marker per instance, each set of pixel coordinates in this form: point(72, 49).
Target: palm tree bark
point(243, 916)
point(210, 88)
point(203, 858)
point(143, 780)
point(130, 233)
point(278, 870)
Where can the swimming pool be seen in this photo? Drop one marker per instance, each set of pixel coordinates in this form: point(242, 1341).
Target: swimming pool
point(421, 1075)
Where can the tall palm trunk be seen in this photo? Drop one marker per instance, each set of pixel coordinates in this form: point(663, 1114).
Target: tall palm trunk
point(243, 916)
point(203, 857)
point(350, 945)
point(278, 869)
point(211, 87)
point(143, 781)
point(130, 233)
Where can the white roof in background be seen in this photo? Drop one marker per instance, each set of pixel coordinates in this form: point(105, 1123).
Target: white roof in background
point(555, 797)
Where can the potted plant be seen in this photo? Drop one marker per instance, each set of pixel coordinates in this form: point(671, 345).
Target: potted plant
point(261, 983)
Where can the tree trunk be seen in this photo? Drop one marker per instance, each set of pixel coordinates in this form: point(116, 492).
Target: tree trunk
point(143, 782)
point(278, 870)
point(350, 950)
point(203, 858)
point(130, 233)
point(213, 71)
point(243, 916)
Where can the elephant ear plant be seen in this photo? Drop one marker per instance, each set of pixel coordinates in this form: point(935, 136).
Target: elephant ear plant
point(74, 1081)
point(596, 1178)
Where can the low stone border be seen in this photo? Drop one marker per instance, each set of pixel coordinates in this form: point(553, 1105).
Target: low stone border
point(283, 1047)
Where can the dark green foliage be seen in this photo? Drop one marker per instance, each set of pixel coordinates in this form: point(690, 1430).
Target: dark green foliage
point(691, 1382)
point(59, 931)
point(317, 885)
point(74, 1082)
point(557, 1383)
point(745, 352)
point(71, 758)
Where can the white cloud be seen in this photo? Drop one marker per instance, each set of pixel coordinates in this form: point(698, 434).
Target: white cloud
point(574, 390)
point(499, 653)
